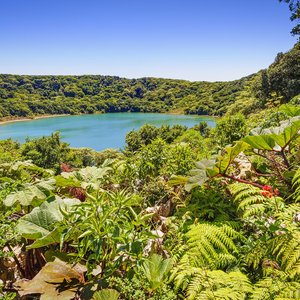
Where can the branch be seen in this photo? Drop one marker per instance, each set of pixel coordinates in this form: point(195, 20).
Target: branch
point(242, 180)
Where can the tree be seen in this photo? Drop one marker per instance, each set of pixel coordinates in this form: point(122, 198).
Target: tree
point(45, 152)
point(294, 6)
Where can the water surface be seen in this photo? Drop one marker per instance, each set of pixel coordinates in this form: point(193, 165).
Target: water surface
point(98, 131)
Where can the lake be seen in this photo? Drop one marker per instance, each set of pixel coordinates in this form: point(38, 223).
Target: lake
point(97, 131)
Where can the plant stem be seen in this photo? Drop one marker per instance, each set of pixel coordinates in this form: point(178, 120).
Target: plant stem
point(16, 259)
point(242, 180)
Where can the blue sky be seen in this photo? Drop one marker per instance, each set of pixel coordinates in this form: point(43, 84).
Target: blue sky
point(186, 39)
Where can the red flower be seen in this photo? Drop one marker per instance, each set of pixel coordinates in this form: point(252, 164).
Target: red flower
point(267, 188)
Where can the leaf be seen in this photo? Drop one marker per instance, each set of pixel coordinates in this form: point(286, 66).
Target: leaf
point(106, 294)
point(261, 142)
point(203, 171)
point(24, 197)
point(155, 269)
point(267, 139)
point(224, 161)
point(39, 225)
point(290, 110)
point(177, 180)
point(38, 191)
point(87, 177)
point(56, 280)
point(289, 134)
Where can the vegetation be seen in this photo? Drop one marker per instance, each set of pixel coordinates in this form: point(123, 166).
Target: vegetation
point(181, 213)
point(27, 96)
point(150, 223)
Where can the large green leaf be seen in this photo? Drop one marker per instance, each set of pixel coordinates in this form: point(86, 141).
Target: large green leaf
point(30, 193)
point(289, 133)
point(39, 225)
point(87, 177)
point(261, 142)
point(155, 269)
point(270, 138)
point(290, 110)
point(198, 176)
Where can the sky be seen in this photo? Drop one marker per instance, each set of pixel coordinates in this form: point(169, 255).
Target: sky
point(213, 40)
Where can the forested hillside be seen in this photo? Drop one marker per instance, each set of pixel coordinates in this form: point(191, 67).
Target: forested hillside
point(25, 96)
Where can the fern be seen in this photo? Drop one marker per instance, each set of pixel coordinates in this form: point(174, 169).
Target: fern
point(205, 284)
point(210, 245)
point(255, 254)
point(288, 215)
point(248, 198)
point(275, 288)
point(286, 249)
point(296, 185)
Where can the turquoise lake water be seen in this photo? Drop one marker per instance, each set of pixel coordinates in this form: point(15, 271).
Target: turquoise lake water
point(98, 131)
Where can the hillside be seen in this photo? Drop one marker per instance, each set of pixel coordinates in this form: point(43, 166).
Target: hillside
point(23, 96)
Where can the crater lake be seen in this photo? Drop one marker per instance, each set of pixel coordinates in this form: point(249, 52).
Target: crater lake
point(97, 131)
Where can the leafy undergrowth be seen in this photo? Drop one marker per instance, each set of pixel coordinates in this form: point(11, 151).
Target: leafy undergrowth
point(151, 222)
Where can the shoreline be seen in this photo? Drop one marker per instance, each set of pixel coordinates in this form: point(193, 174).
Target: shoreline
point(19, 119)
point(3, 122)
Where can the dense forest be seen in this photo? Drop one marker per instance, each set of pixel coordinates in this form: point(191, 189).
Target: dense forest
point(27, 96)
point(181, 213)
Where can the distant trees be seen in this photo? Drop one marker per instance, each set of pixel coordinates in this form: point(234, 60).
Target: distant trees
point(23, 96)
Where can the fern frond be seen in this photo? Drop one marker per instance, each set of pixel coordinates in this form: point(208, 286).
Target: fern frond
point(216, 284)
point(248, 198)
point(206, 243)
point(275, 288)
point(287, 215)
point(291, 255)
point(286, 249)
point(178, 251)
point(255, 255)
point(296, 185)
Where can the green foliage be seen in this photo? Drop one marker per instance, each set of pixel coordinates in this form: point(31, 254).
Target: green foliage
point(249, 200)
point(40, 224)
point(155, 269)
point(103, 230)
point(275, 288)
point(213, 284)
point(135, 139)
point(150, 224)
point(209, 246)
point(9, 151)
point(230, 129)
point(89, 177)
point(294, 7)
point(296, 185)
point(284, 74)
point(45, 152)
point(106, 294)
point(137, 287)
point(31, 194)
